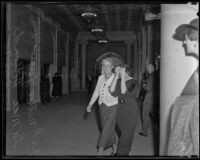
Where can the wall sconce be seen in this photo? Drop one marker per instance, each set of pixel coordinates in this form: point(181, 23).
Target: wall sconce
point(149, 16)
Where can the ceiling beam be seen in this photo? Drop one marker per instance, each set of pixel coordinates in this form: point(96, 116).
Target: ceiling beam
point(140, 17)
point(112, 36)
point(105, 12)
point(118, 16)
point(129, 17)
point(72, 17)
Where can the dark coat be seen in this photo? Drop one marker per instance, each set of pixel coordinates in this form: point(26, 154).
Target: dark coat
point(57, 86)
point(45, 89)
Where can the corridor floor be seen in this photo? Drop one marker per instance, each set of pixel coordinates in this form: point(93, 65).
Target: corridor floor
point(59, 129)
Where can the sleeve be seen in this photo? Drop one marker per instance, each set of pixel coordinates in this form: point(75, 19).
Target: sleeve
point(130, 85)
point(194, 126)
point(117, 89)
point(95, 94)
point(149, 85)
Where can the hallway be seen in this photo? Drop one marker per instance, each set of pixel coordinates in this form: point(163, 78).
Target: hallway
point(61, 130)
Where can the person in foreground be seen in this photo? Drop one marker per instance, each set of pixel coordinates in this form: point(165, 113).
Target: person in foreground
point(184, 124)
point(107, 104)
point(123, 87)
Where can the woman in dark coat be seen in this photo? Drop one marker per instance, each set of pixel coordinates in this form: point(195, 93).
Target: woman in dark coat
point(148, 104)
point(45, 89)
point(184, 123)
point(123, 86)
point(57, 86)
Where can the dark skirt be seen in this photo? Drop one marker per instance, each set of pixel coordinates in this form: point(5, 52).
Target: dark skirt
point(57, 86)
point(108, 122)
point(127, 118)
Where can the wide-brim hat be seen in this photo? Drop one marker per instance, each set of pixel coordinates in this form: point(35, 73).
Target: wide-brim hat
point(182, 29)
point(117, 59)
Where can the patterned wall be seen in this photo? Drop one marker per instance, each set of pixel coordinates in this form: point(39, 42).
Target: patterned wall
point(31, 36)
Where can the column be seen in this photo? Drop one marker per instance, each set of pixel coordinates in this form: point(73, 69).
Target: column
point(76, 78)
point(83, 65)
point(67, 64)
point(135, 59)
point(128, 52)
point(140, 53)
point(55, 49)
point(149, 44)
point(8, 56)
point(76, 58)
point(38, 70)
point(175, 67)
point(144, 48)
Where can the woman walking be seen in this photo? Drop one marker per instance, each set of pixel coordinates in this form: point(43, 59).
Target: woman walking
point(57, 86)
point(123, 87)
point(107, 107)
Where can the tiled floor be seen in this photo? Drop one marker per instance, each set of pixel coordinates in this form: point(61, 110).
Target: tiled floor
point(59, 129)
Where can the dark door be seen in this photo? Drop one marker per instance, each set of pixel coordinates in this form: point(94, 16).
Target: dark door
point(23, 84)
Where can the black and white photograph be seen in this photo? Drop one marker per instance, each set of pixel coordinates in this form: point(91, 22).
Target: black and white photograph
point(99, 79)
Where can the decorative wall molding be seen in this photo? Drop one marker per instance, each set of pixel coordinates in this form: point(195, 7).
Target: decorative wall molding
point(74, 20)
point(40, 13)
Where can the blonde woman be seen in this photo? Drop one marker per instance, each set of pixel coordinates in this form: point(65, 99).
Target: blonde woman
point(107, 107)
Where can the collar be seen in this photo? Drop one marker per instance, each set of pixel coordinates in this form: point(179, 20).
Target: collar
point(109, 79)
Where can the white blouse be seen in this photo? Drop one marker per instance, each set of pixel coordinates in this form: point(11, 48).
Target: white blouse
point(102, 91)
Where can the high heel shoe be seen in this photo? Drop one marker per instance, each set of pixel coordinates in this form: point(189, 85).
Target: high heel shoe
point(114, 150)
point(143, 134)
point(114, 154)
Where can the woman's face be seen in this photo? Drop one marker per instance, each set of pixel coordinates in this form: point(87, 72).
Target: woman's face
point(191, 46)
point(150, 68)
point(107, 67)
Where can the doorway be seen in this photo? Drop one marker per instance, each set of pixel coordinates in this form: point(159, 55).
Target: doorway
point(23, 83)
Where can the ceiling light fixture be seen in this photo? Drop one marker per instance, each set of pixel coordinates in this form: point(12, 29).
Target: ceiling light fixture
point(103, 41)
point(97, 30)
point(89, 14)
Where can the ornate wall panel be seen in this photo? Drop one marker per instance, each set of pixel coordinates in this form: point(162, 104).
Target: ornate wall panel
point(23, 31)
point(23, 44)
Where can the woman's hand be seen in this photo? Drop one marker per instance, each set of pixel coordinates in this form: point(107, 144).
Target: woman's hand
point(117, 71)
point(89, 107)
point(122, 72)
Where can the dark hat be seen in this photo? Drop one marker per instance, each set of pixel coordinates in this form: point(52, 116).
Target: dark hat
point(182, 29)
